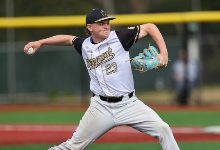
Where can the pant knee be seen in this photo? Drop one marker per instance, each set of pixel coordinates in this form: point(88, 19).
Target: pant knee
point(164, 128)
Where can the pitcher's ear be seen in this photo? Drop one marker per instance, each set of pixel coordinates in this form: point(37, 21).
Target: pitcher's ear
point(89, 27)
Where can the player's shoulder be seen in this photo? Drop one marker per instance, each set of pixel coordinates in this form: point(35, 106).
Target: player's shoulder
point(128, 29)
point(128, 36)
point(78, 40)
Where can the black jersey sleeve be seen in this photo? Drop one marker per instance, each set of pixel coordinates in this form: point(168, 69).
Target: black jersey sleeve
point(77, 43)
point(128, 36)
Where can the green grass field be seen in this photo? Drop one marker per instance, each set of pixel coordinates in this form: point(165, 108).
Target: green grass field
point(172, 118)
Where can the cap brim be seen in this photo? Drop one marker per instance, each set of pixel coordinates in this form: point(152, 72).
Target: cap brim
point(106, 18)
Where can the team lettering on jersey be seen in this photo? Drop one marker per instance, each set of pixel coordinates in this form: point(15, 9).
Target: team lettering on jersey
point(99, 60)
point(131, 27)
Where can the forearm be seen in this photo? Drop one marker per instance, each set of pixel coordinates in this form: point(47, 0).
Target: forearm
point(153, 31)
point(158, 38)
point(59, 40)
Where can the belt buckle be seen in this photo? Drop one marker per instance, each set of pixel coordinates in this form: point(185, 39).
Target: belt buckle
point(111, 99)
point(114, 99)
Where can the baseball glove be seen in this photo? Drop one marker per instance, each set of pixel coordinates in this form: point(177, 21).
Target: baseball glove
point(147, 60)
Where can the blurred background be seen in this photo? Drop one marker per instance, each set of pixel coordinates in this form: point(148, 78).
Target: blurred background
point(57, 75)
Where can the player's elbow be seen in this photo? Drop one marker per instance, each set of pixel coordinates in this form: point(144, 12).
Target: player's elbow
point(150, 27)
point(145, 29)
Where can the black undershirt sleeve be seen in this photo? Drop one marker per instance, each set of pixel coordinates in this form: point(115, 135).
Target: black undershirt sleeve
point(77, 43)
point(128, 36)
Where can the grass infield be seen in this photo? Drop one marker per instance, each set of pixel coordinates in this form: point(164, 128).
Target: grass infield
point(141, 146)
point(172, 118)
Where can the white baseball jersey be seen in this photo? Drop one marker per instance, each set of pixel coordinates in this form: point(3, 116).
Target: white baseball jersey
point(108, 62)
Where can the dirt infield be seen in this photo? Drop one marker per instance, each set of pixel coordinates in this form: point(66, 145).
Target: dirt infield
point(50, 134)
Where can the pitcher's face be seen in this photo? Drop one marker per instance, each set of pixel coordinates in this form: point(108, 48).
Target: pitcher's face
point(100, 29)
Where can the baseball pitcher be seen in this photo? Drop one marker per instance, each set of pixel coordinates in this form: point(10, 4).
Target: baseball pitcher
point(113, 102)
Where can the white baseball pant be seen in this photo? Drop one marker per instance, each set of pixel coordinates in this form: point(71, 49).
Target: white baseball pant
point(102, 116)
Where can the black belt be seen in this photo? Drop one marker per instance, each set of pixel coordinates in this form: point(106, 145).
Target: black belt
point(113, 99)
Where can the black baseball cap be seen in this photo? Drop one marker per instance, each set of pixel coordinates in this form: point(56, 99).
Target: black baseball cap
point(97, 15)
